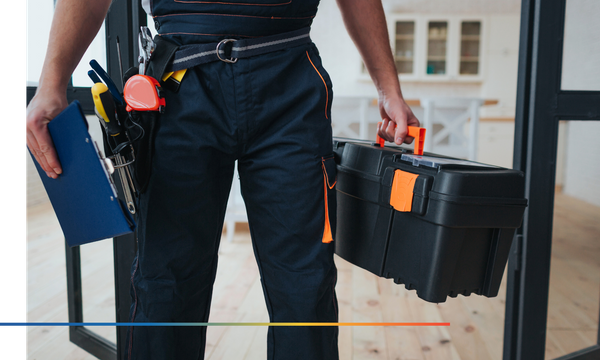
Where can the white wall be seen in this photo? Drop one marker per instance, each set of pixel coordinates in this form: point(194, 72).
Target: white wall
point(343, 62)
point(501, 69)
point(581, 53)
point(582, 165)
point(340, 57)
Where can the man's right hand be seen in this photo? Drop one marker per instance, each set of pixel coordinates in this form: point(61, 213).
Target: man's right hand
point(44, 106)
point(74, 25)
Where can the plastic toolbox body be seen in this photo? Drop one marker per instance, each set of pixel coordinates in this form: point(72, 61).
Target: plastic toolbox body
point(455, 237)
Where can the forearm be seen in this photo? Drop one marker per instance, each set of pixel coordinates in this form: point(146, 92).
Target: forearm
point(74, 26)
point(365, 22)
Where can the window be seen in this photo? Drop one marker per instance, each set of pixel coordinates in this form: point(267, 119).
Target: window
point(436, 47)
point(469, 47)
point(39, 18)
point(404, 51)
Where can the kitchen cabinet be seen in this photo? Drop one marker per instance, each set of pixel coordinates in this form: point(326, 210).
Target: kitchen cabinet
point(437, 48)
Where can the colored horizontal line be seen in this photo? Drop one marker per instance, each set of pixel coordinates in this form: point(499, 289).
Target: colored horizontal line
point(225, 324)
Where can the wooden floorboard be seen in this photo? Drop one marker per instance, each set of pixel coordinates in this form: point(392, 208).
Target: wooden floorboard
point(475, 333)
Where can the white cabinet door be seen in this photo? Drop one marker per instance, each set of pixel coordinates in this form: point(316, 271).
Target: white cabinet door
point(438, 48)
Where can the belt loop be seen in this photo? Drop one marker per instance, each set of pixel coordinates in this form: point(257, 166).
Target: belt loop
point(222, 42)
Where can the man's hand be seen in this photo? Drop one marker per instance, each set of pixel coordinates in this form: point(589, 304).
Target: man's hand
point(396, 117)
point(365, 21)
point(44, 106)
point(74, 25)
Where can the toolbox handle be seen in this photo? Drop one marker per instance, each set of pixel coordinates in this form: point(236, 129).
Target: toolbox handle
point(413, 131)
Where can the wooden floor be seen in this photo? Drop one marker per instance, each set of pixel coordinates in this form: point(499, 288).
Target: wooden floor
point(475, 333)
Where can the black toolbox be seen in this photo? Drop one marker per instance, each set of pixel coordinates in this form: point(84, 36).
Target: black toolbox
point(439, 225)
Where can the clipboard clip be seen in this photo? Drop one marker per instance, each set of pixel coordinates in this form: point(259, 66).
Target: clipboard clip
point(108, 165)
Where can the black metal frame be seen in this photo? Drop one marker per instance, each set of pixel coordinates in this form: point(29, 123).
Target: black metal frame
point(123, 20)
point(79, 335)
point(83, 94)
point(540, 105)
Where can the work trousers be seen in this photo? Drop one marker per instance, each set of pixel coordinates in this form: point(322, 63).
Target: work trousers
point(271, 113)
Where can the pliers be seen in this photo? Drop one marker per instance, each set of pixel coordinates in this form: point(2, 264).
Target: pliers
point(146, 46)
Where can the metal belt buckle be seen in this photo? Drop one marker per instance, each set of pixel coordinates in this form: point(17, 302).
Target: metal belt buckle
point(231, 60)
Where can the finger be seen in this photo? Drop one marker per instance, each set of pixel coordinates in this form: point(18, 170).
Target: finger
point(44, 151)
point(34, 148)
point(412, 121)
point(390, 130)
point(408, 139)
point(24, 126)
point(381, 130)
point(400, 132)
point(401, 135)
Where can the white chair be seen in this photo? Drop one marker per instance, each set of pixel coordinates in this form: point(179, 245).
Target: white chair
point(446, 120)
point(349, 110)
point(236, 209)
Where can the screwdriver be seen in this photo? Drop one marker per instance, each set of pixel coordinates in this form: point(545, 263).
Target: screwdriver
point(105, 106)
point(109, 83)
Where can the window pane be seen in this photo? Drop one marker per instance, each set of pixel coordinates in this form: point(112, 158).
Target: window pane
point(97, 51)
point(39, 20)
point(436, 47)
point(575, 267)
point(581, 51)
point(404, 46)
point(469, 47)
point(98, 287)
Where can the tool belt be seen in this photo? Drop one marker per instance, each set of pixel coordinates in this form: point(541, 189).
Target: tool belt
point(168, 58)
point(230, 50)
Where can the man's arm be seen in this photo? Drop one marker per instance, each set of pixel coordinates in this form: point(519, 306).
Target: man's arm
point(74, 26)
point(367, 27)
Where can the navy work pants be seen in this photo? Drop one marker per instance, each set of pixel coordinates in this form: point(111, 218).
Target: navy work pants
point(271, 113)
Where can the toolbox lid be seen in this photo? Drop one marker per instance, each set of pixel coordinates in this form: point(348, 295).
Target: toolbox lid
point(436, 161)
point(455, 180)
point(464, 178)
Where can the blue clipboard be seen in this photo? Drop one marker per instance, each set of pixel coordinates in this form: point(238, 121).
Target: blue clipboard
point(84, 197)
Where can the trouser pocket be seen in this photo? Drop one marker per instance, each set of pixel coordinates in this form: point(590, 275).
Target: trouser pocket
point(329, 181)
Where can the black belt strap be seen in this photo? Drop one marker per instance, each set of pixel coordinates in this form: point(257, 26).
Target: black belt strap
point(229, 50)
point(161, 57)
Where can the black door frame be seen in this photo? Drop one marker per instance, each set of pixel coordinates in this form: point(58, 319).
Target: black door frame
point(123, 20)
point(541, 104)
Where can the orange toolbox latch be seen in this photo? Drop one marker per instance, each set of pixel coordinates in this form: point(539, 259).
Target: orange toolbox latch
point(401, 197)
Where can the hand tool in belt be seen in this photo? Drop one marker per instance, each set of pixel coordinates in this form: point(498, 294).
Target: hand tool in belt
point(106, 112)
